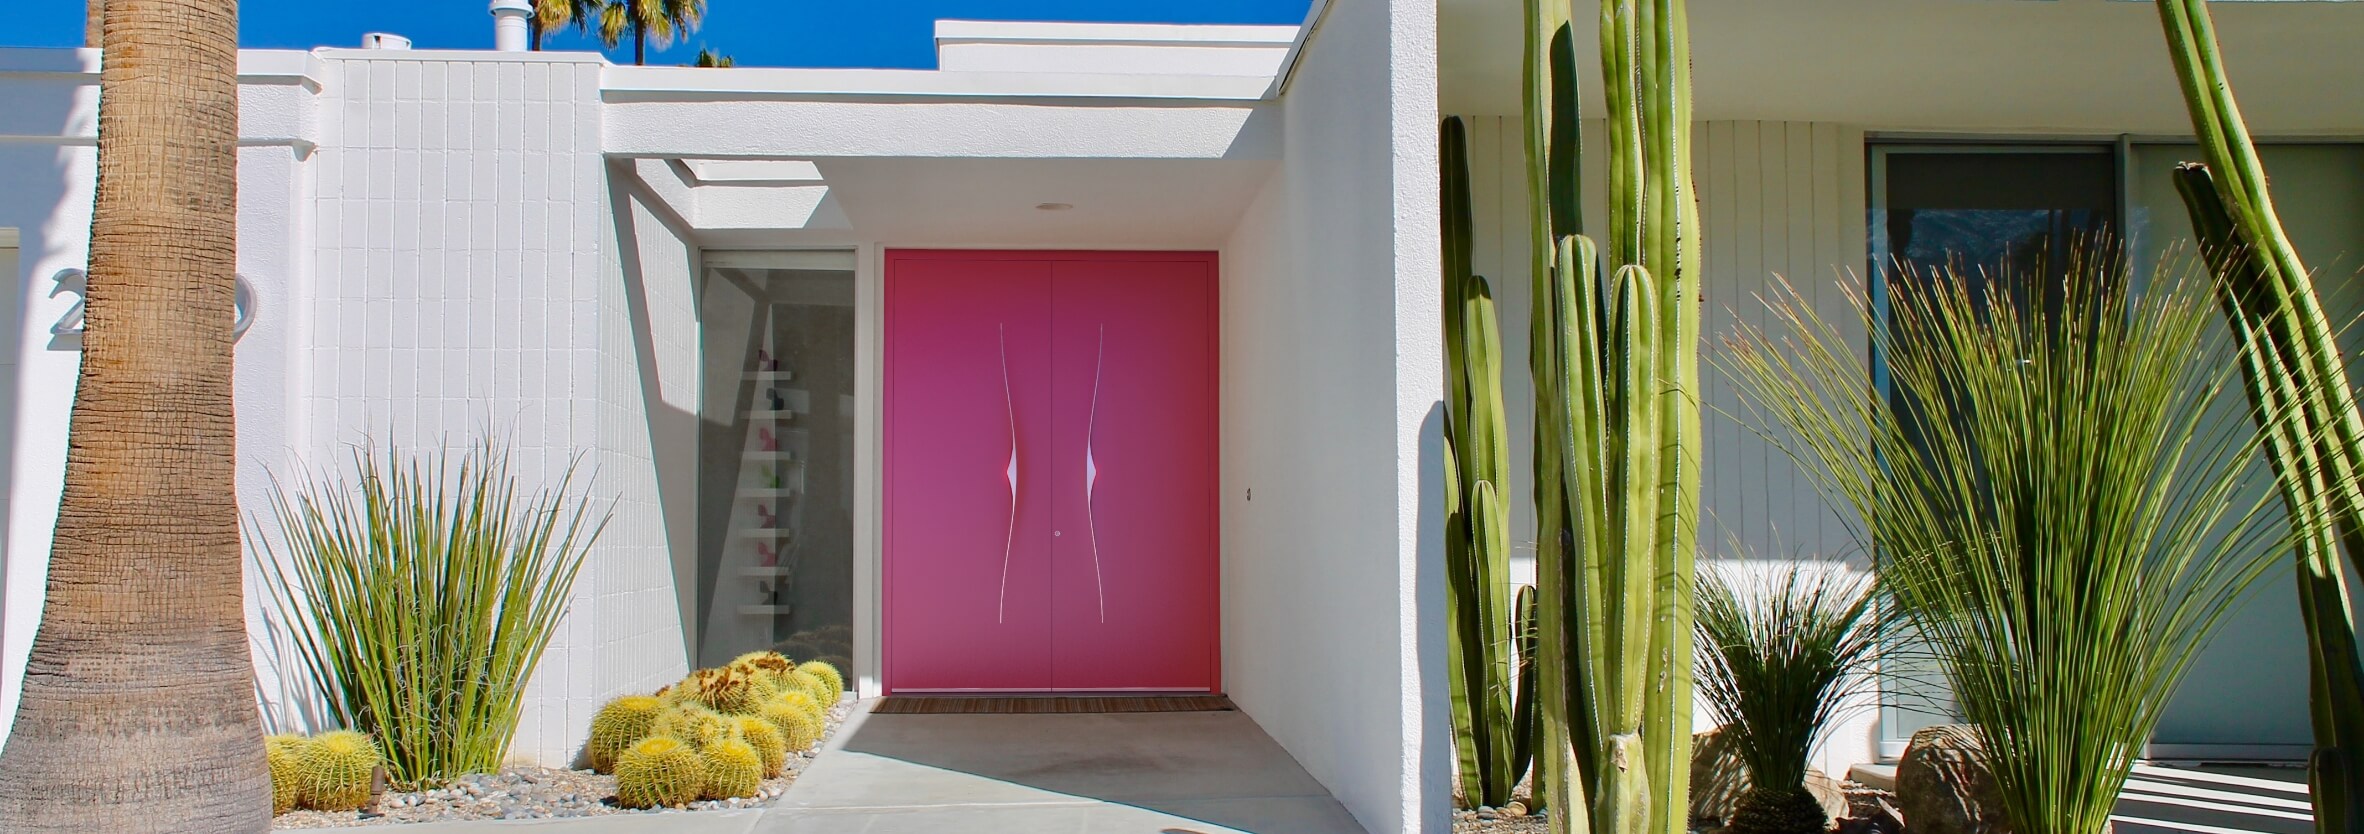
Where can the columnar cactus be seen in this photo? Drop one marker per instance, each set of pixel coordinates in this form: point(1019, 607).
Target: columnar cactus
point(659, 770)
point(334, 771)
point(617, 725)
point(2294, 370)
point(284, 753)
point(733, 769)
point(1615, 363)
point(1491, 744)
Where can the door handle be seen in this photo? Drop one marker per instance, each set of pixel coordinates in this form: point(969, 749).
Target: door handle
point(1092, 474)
point(1009, 539)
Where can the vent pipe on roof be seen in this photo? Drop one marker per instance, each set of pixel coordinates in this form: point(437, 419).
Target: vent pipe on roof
point(384, 40)
point(509, 16)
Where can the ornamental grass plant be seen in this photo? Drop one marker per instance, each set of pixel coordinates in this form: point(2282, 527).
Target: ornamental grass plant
point(2057, 515)
point(420, 596)
point(1781, 651)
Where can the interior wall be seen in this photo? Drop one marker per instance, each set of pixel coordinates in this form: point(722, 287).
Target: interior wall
point(1331, 382)
point(1776, 198)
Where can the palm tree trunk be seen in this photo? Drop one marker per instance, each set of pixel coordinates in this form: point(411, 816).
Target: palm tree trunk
point(93, 12)
point(533, 28)
point(138, 709)
point(639, 43)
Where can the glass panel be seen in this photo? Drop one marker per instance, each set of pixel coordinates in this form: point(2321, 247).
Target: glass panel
point(2249, 686)
point(2000, 218)
point(776, 455)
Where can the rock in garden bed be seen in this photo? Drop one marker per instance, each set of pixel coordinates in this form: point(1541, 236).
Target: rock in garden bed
point(535, 793)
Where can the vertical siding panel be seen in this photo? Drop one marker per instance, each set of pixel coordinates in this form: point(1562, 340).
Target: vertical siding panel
point(1828, 263)
point(1722, 295)
point(1855, 253)
point(1797, 522)
point(1748, 232)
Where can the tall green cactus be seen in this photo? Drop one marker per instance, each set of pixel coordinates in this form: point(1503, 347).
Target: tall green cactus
point(2299, 391)
point(1490, 740)
point(1615, 361)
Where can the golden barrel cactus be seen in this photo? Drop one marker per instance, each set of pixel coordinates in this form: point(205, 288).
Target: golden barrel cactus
point(766, 739)
point(659, 770)
point(617, 725)
point(832, 681)
point(799, 726)
point(733, 769)
point(692, 723)
point(284, 752)
point(333, 772)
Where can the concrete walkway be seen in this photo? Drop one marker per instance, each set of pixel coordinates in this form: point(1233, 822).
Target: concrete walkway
point(1151, 773)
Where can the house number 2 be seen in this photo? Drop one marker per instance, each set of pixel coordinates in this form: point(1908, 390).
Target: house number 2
point(75, 281)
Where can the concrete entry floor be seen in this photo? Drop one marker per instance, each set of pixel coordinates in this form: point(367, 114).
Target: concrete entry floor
point(1152, 773)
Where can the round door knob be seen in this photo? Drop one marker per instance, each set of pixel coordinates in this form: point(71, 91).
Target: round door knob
point(1054, 534)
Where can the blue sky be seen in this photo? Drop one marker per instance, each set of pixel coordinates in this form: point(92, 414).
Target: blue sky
point(802, 33)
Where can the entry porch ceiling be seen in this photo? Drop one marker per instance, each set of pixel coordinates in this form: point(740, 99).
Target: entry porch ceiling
point(970, 202)
point(1973, 66)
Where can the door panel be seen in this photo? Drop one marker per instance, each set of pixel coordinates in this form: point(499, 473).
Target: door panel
point(1133, 518)
point(968, 602)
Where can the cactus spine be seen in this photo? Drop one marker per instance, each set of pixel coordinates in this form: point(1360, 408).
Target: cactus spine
point(2291, 362)
point(284, 754)
point(617, 725)
point(733, 769)
point(1615, 363)
point(659, 770)
point(1491, 746)
point(334, 770)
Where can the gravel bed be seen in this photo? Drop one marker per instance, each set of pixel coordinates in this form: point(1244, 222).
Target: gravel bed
point(1494, 821)
point(535, 793)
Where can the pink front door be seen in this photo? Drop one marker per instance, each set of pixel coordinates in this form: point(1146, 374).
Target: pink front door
point(1050, 471)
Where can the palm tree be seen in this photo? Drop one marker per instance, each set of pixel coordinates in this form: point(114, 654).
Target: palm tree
point(662, 20)
point(551, 15)
point(138, 709)
point(711, 58)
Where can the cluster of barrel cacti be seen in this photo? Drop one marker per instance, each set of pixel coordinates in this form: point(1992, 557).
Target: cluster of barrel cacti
point(332, 771)
point(717, 734)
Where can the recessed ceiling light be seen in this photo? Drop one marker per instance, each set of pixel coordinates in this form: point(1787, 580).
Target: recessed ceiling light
point(1054, 206)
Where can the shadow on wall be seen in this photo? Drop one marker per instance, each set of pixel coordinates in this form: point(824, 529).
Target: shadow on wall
point(676, 472)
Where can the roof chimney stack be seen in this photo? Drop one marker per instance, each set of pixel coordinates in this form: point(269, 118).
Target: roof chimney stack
point(384, 40)
point(509, 24)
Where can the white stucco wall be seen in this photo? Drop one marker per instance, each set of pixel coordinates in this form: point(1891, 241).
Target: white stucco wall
point(1332, 374)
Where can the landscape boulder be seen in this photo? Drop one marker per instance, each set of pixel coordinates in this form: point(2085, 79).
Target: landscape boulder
point(1943, 785)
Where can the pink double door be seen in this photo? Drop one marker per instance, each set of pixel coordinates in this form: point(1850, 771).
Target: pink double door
point(1050, 471)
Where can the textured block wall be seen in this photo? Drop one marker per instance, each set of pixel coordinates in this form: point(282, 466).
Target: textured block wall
point(458, 288)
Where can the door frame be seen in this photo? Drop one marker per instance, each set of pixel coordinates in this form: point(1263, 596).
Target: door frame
point(888, 259)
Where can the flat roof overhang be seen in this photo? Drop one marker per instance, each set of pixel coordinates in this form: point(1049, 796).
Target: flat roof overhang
point(2062, 67)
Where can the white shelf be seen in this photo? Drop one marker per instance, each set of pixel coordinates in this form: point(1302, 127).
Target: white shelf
point(768, 414)
point(764, 610)
point(762, 533)
point(767, 493)
point(781, 456)
point(770, 376)
point(773, 572)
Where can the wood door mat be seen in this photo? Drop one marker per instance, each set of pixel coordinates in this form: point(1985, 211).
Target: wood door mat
point(1047, 705)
